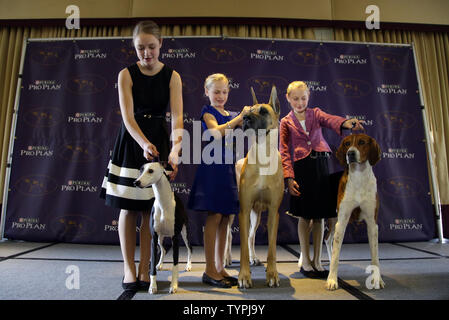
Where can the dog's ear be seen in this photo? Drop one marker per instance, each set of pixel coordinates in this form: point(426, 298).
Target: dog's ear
point(274, 101)
point(341, 153)
point(374, 152)
point(253, 94)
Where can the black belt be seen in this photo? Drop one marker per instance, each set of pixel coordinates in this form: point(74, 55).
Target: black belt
point(316, 154)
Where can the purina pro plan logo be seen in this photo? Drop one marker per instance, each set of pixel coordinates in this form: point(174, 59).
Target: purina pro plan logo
point(405, 224)
point(398, 153)
point(391, 89)
point(29, 224)
point(36, 151)
point(79, 186)
point(84, 117)
point(315, 86)
point(350, 59)
point(266, 55)
point(90, 54)
point(181, 53)
point(44, 85)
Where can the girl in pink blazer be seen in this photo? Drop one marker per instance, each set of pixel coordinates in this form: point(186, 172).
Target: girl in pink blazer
point(304, 155)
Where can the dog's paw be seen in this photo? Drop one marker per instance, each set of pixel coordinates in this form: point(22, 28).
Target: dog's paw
point(245, 280)
point(188, 266)
point(273, 279)
point(331, 284)
point(381, 284)
point(173, 289)
point(228, 261)
point(255, 262)
point(375, 283)
point(300, 261)
point(152, 290)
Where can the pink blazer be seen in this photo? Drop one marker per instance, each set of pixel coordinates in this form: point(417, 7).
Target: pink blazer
point(295, 144)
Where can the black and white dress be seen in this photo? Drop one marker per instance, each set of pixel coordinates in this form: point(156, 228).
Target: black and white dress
point(151, 95)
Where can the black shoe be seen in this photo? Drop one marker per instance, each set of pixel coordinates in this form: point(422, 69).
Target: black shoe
point(312, 274)
point(232, 281)
point(321, 274)
point(223, 283)
point(130, 286)
point(143, 285)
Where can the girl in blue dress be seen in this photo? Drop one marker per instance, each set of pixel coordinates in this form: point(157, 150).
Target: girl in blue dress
point(214, 189)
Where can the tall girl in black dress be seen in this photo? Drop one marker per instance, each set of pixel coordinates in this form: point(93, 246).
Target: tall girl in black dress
point(146, 88)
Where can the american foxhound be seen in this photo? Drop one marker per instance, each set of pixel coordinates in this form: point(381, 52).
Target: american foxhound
point(357, 199)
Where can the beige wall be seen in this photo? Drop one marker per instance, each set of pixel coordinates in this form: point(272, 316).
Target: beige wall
point(294, 9)
point(405, 11)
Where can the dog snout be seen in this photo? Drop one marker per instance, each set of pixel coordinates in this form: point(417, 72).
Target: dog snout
point(351, 156)
point(247, 121)
point(137, 183)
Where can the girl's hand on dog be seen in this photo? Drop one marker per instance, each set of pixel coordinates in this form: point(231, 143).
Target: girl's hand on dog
point(173, 160)
point(293, 187)
point(150, 151)
point(246, 110)
point(354, 124)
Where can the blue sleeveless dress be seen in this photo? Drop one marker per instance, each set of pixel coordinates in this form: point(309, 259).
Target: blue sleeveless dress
point(215, 188)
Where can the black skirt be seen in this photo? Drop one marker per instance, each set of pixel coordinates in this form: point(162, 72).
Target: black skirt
point(118, 188)
point(318, 195)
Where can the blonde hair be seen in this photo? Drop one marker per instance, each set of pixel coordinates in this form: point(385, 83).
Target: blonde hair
point(210, 80)
point(148, 27)
point(297, 85)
